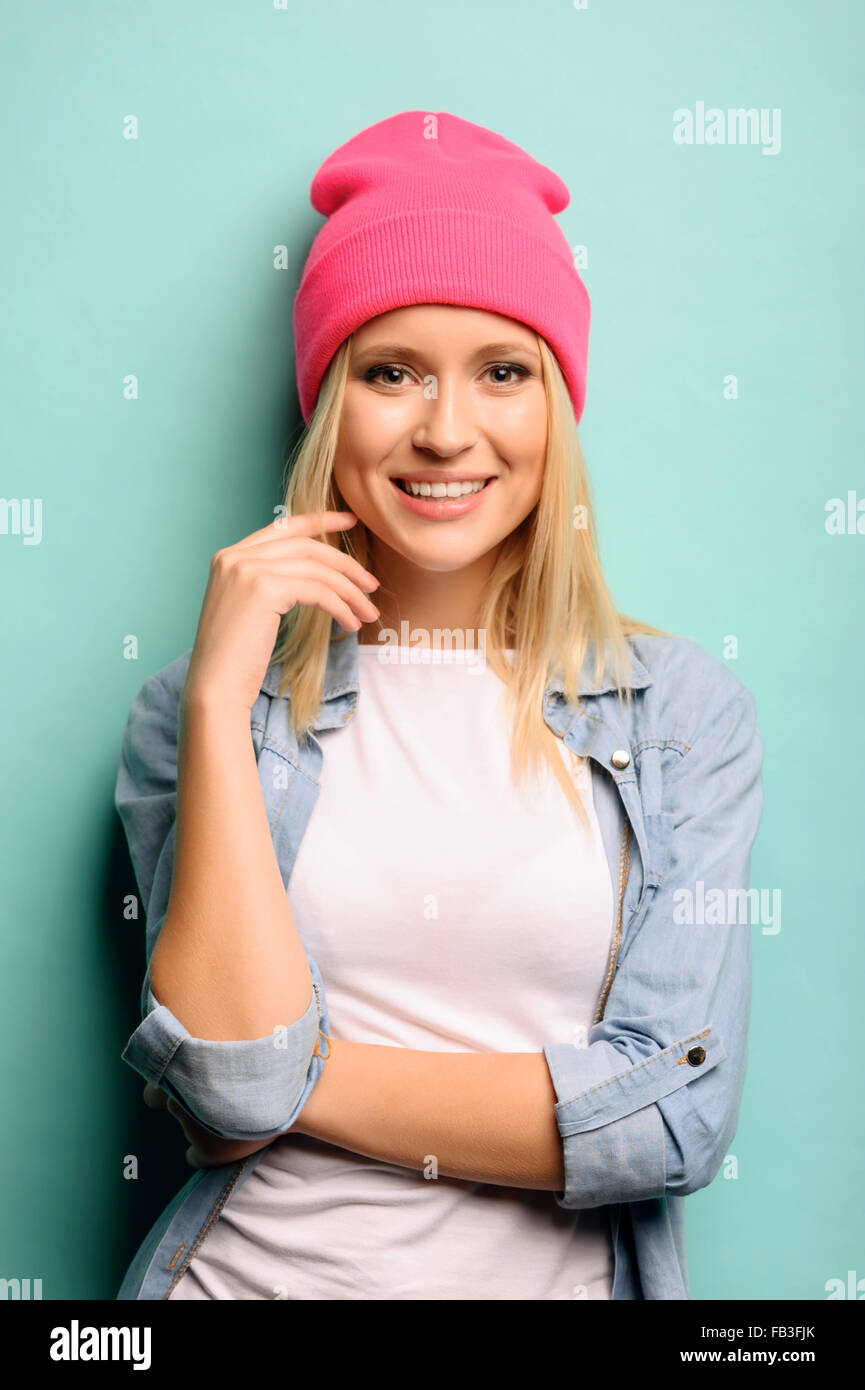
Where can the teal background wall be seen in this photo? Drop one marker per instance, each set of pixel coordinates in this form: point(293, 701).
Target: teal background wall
point(154, 257)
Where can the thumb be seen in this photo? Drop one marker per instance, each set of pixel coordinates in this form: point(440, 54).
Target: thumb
point(154, 1097)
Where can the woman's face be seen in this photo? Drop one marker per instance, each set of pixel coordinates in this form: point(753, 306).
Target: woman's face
point(441, 394)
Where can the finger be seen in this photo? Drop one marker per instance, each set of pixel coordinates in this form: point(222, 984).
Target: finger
point(177, 1112)
point(304, 524)
point(317, 552)
point(315, 594)
point(154, 1097)
point(287, 574)
point(177, 1109)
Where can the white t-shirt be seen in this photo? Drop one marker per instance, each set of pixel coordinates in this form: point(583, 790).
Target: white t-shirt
point(447, 911)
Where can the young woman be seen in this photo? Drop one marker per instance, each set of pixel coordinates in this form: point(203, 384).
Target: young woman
point(421, 819)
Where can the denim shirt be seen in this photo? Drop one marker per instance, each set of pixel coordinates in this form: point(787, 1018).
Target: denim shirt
point(647, 1107)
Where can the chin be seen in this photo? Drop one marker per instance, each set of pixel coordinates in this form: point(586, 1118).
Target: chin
point(440, 556)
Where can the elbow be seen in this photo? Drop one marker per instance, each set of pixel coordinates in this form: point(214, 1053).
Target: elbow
point(251, 1089)
point(240, 1099)
point(695, 1147)
point(697, 1171)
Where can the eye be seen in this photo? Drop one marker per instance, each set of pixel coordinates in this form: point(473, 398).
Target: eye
point(508, 367)
point(392, 371)
point(373, 373)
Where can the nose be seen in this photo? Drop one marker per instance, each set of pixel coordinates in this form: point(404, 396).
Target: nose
point(444, 425)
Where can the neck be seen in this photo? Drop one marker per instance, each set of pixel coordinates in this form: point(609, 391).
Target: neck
point(429, 601)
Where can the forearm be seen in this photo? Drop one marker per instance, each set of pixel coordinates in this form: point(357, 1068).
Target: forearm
point(229, 962)
point(483, 1116)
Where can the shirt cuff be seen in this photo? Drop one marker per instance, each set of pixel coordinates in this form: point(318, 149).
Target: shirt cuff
point(251, 1089)
point(617, 1145)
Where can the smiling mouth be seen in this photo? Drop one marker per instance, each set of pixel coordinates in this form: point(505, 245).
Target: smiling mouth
point(432, 489)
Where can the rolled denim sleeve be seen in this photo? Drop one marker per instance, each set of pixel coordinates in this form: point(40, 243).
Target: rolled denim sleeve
point(248, 1089)
point(650, 1106)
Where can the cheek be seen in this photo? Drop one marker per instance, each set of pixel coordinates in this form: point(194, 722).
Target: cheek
point(354, 454)
point(520, 430)
point(524, 446)
point(371, 424)
point(367, 438)
point(351, 488)
point(355, 479)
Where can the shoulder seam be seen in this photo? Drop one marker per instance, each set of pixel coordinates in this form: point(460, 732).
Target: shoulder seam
point(743, 694)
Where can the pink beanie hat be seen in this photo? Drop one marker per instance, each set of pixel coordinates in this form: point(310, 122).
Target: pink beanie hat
point(426, 208)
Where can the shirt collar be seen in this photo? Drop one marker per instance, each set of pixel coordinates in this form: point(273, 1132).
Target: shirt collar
point(341, 674)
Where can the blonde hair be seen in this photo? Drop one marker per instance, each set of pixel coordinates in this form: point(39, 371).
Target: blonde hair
point(546, 596)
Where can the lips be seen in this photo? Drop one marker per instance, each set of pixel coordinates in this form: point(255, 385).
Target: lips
point(403, 482)
point(441, 508)
point(442, 477)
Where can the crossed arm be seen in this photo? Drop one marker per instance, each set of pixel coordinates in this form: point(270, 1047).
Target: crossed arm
point(487, 1117)
point(484, 1117)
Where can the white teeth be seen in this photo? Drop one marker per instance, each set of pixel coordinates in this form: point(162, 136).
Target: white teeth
point(443, 489)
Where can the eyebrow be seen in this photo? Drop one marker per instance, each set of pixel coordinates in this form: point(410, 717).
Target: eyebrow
point(403, 350)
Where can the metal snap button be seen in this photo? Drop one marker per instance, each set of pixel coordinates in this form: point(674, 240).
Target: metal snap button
point(620, 758)
point(696, 1055)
